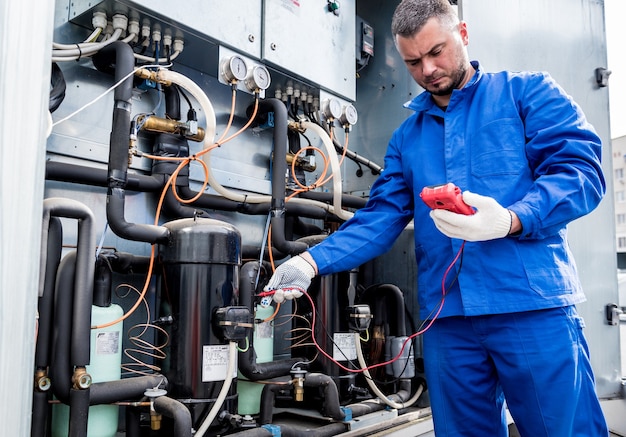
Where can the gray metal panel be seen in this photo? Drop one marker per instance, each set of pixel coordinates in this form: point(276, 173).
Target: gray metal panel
point(382, 87)
point(537, 35)
point(304, 38)
point(218, 20)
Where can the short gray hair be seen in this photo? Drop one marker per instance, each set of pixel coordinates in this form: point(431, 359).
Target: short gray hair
point(411, 15)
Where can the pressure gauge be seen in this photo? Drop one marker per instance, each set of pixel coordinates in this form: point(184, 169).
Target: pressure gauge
point(348, 115)
point(234, 68)
point(258, 78)
point(331, 108)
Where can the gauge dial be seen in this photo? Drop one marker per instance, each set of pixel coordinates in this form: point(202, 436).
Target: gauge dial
point(234, 68)
point(331, 108)
point(349, 115)
point(258, 78)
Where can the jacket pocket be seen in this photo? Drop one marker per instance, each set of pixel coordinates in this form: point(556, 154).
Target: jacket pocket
point(498, 149)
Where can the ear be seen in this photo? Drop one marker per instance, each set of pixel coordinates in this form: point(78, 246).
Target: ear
point(463, 32)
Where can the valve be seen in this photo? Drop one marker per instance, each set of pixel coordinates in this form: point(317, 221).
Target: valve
point(298, 383)
point(81, 379)
point(155, 418)
point(42, 381)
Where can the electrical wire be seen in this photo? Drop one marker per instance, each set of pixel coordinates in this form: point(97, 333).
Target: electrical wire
point(84, 50)
point(423, 328)
point(107, 91)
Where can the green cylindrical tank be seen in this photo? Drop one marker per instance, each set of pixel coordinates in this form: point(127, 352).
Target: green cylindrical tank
point(104, 365)
point(263, 340)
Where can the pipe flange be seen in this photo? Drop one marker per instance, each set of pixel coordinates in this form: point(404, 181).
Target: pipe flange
point(153, 393)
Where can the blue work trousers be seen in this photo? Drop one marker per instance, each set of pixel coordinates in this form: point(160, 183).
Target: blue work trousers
point(537, 360)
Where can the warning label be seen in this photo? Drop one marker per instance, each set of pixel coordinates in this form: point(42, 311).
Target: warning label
point(107, 343)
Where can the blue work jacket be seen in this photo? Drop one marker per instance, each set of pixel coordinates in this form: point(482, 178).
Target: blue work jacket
point(514, 136)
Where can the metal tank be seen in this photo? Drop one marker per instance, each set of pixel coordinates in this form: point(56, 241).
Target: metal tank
point(200, 270)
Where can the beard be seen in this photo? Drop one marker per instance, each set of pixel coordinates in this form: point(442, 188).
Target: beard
point(456, 79)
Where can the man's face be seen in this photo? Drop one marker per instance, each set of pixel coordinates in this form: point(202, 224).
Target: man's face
point(437, 58)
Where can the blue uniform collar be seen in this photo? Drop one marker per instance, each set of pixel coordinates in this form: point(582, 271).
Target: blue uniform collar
point(424, 102)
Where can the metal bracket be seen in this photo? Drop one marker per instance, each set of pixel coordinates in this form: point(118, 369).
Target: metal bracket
point(612, 311)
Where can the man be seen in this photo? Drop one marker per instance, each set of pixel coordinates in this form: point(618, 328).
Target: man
point(529, 163)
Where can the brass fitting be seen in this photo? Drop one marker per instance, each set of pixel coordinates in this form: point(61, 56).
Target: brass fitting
point(81, 380)
point(153, 123)
point(42, 381)
point(296, 125)
point(303, 162)
point(155, 420)
point(298, 383)
point(154, 76)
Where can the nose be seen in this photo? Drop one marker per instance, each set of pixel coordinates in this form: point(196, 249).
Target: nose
point(428, 67)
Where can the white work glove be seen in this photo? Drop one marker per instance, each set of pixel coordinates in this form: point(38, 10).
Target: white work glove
point(290, 279)
point(490, 221)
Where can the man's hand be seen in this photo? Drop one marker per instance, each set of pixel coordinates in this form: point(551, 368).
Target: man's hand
point(490, 221)
point(292, 278)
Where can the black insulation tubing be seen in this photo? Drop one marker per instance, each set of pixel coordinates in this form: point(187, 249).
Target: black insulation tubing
point(85, 267)
point(178, 412)
point(122, 56)
point(248, 366)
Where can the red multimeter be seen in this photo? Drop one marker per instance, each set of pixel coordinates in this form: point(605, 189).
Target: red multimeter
point(446, 196)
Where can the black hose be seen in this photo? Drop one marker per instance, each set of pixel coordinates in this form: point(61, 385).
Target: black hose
point(85, 267)
point(173, 208)
point(96, 177)
point(178, 412)
point(60, 367)
point(79, 412)
point(57, 88)
point(124, 389)
point(39, 419)
point(172, 102)
point(331, 403)
point(332, 407)
point(122, 55)
point(329, 430)
point(72, 173)
point(254, 432)
point(128, 263)
point(279, 169)
point(347, 200)
point(268, 394)
point(378, 295)
point(46, 300)
point(102, 283)
point(248, 366)
point(133, 422)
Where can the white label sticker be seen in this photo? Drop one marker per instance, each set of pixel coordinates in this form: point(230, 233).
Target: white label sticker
point(215, 363)
point(107, 343)
point(344, 348)
point(292, 6)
